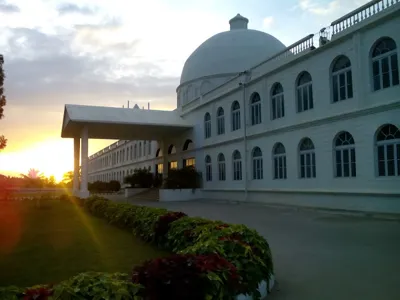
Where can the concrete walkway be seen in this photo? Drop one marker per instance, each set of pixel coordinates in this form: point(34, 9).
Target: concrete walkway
point(318, 256)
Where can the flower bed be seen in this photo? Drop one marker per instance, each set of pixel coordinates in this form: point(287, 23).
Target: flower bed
point(212, 260)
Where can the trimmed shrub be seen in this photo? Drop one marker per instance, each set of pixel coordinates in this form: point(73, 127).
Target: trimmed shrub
point(185, 178)
point(212, 260)
point(141, 178)
point(104, 187)
point(187, 276)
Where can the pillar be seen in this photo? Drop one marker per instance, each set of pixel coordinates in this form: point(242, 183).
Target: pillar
point(164, 148)
point(84, 193)
point(77, 145)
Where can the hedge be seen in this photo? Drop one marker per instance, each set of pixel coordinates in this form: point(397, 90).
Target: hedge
point(212, 260)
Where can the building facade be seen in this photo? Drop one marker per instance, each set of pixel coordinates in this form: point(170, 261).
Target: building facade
point(316, 123)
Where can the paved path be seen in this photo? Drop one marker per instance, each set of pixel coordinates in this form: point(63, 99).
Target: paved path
point(318, 256)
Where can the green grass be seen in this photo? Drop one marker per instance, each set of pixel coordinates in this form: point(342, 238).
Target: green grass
point(59, 240)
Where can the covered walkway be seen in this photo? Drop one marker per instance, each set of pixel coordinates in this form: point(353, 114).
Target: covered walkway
point(84, 122)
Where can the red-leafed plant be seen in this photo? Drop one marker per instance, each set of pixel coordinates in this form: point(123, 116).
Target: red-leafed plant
point(186, 276)
point(38, 293)
point(162, 225)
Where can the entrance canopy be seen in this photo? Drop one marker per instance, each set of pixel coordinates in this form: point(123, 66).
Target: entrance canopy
point(121, 123)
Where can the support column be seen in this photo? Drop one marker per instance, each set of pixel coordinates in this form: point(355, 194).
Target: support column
point(84, 193)
point(77, 146)
point(164, 148)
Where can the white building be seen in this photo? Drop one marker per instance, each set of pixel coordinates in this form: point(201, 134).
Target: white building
point(316, 123)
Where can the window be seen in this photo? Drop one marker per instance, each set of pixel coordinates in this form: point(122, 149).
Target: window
point(307, 159)
point(388, 150)
point(257, 163)
point(221, 167)
point(279, 161)
point(144, 148)
point(255, 109)
point(237, 165)
point(188, 162)
point(345, 155)
point(140, 149)
point(135, 151)
point(208, 168)
point(304, 92)
point(385, 70)
point(173, 165)
point(127, 153)
point(131, 153)
point(149, 148)
point(207, 126)
point(235, 116)
point(342, 82)
point(220, 121)
point(277, 102)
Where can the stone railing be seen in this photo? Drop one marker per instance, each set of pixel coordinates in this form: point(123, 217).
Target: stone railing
point(364, 12)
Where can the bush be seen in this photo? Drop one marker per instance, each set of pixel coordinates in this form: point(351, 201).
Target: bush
point(141, 178)
point(104, 187)
point(212, 260)
point(187, 276)
point(185, 178)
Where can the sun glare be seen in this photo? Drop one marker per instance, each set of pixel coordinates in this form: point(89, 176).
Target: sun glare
point(50, 157)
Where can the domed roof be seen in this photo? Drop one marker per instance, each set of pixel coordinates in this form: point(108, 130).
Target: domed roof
point(231, 51)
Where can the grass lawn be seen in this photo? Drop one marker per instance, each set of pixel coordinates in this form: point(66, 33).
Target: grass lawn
point(59, 240)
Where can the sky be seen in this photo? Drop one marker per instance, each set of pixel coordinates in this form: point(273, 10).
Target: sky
point(102, 52)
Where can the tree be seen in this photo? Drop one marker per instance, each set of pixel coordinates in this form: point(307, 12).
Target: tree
point(3, 140)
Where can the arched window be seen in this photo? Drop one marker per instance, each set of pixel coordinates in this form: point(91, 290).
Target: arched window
point(135, 151)
point(307, 159)
point(140, 149)
point(208, 168)
point(345, 155)
point(221, 167)
point(220, 121)
point(257, 160)
point(235, 116)
point(123, 155)
point(118, 157)
point(207, 125)
point(188, 145)
point(144, 148)
point(388, 150)
point(279, 160)
point(385, 68)
point(277, 102)
point(127, 153)
point(171, 149)
point(149, 148)
point(342, 81)
point(237, 165)
point(304, 92)
point(255, 109)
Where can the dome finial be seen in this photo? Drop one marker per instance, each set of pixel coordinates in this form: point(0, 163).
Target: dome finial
point(238, 22)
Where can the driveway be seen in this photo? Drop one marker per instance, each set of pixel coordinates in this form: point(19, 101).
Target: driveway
point(318, 255)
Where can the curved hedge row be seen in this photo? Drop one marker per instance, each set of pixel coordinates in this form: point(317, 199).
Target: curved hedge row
point(212, 260)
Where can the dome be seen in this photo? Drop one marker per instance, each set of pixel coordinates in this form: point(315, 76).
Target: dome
point(231, 51)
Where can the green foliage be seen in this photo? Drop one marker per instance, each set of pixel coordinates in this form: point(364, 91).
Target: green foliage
point(141, 178)
point(185, 178)
point(3, 141)
point(229, 259)
point(104, 187)
point(95, 285)
point(10, 293)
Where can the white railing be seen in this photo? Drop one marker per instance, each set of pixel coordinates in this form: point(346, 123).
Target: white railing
point(364, 12)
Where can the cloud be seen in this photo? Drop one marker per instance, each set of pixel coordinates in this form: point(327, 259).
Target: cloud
point(8, 8)
point(268, 22)
point(331, 9)
point(70, 8)
point(45, 70)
